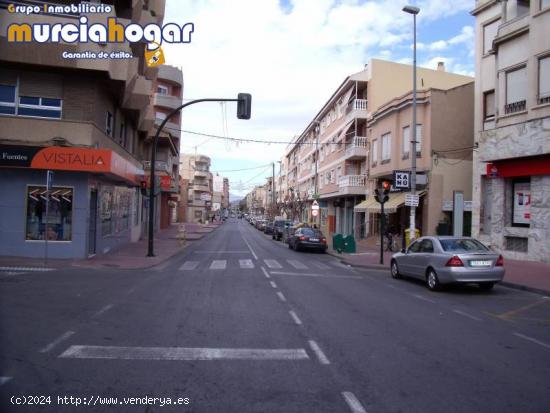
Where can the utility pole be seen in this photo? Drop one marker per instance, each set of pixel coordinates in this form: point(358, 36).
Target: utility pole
point(273, 188)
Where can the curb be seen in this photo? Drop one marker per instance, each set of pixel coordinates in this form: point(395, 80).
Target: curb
point(367, 266)
point(525, 288)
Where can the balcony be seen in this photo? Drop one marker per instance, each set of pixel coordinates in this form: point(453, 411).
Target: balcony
point(166, 101)
point(173, 128)
point(201, 174)
point(171, 74)
point(357, 149)
point(357, 108)
point(353, 184)
point(514, 107)
point(202, 159)
point(160, 166)
point(138, 93)
point(199, 187)
point(146, 119)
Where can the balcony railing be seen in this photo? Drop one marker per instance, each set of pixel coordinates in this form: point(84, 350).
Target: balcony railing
point(356, 104)
point(352, 180)
point(544, 98)
point(514, 107)
point(357, 148)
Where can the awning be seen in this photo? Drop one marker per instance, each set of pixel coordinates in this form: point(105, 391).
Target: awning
point(396, 200)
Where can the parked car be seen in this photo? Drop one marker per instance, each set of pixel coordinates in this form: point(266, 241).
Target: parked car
point(268, 228)
point(279, 226)
point(446, 260)
point(307, 238)
point(260, 224)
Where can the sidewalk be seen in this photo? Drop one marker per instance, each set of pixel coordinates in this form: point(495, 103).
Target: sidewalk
point(130, 256)
point(524, 275)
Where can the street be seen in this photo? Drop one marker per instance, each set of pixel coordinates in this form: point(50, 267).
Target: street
point(237, 322)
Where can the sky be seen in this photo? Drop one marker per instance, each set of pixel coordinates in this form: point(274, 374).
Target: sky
point(291, 55)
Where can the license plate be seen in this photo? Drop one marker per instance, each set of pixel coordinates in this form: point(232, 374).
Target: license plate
point(314, 239)
point(480, 263)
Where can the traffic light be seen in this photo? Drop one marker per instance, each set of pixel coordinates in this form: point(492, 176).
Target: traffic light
point(244, 105)
point(386, 185)
point(143, 187)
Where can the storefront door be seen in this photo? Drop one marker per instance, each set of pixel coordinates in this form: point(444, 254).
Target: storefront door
point(92, 229)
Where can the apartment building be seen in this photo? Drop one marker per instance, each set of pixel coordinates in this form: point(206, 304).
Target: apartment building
point(195, 169)
point(256, 200)
point(220, 195)
point(443, 159)
point(86, 120)
point(511, 178)
point(166, 97)
point(328, 161)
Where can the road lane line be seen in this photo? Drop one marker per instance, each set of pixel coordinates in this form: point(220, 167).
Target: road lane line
point(297, 264)
point(420, 297)
point(354, 404)
point(189, 265)
point(246, 263)
point(273, 284)
point(510, 314)
point(295, 317)
point(281, 296)
point(534, 340)
point(218, 264)
point(250, 248)
point(273, 264)
point(320, 265)
point(301, 274)
point(103, 310)
point(182, 353)
point(318, 352)
point(4, 380)
point(57, 341)
point(265, 273)
point(221, 252)
point(467, 315)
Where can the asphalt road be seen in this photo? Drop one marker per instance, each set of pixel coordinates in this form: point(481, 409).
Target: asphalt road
point(240, 323)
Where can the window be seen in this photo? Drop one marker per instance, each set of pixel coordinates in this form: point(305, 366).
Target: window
point(516, 87)
point(462, 245)
point(544, 4)
point(332, 177)
point(374, 151)
point(521, 208)
point(40, 107)
point(406, 141)
point(109, 124)
point(427, 246)
point(122, 135)
point(415, 247)
point(59, 218)
point(162, 90)
point(106, 205)
point(418, 140)
point(489, 104)
point(386, 147)
point(7, 100)
point(160, 115)
point(544, 79)
point(489, 33)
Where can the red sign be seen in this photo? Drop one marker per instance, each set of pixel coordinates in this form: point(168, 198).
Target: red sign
point(510, 168)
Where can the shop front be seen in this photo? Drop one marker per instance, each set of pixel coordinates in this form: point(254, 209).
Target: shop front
point(91, 206)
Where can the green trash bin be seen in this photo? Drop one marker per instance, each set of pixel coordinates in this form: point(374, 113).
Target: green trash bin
point(338, 242)
point(349, 244)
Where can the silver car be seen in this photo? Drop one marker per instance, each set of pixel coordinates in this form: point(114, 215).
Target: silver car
point(445, 260)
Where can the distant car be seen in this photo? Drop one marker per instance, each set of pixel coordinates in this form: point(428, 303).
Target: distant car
point(260, 224)
point(268, 228)
point(279, 226)
point(446, 260)
point(307, 238)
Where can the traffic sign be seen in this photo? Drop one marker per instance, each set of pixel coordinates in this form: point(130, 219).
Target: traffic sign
point(315, 206)
point(412, 200)
point(314, 212)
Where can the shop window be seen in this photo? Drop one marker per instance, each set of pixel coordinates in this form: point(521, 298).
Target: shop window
point(7, 100)
point(39, 107)
point(521, 207)
point(106, 212)
point(59, 218)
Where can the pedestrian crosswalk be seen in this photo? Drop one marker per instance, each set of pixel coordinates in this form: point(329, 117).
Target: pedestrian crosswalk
point(246, 264)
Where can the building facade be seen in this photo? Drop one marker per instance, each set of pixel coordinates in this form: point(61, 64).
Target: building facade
point(511, 178)
point(195, 169)
point(85, 120)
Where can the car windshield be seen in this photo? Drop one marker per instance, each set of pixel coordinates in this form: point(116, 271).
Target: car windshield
point(452, 245)
point(309, 232)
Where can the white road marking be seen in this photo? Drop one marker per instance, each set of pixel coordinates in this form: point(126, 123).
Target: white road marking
point(265, 273)
point(38, 269)
point(273, 264)
point(420, 297)
point(301, 274)
point(318, 352)
point(297, 264)
point(218, 265)
point(12, 273)
point(354, 404)
point(295, 317)
point(57, 341)
point(181, 353)
point(320, 265)
point(281, 296)
point(250, 248)
point(246, 263)
point(467, 315)
point(534, 340)
point(273, 284)
point(221, 252)
point(189, 265)
point(4, 380)
point(103, 310)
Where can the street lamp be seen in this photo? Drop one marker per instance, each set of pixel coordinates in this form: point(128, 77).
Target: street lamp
point(412, 226)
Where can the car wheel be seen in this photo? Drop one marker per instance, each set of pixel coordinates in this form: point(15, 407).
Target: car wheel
point(289, 245)
point(432, 282)
point(394, 270)
point(295, 246)
point(488, 286)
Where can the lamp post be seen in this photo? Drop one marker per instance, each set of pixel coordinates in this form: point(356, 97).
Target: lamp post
point(243, 112)
point(412, 226)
